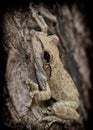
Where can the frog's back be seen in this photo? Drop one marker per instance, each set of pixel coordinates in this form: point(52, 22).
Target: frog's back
point(62, 86)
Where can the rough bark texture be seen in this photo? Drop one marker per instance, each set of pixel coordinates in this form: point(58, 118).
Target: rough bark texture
point(16, 63)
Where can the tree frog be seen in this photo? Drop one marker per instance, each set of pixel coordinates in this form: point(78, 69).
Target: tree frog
point(57, 82)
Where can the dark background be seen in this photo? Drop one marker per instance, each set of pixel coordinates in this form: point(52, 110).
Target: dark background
point(86, 7)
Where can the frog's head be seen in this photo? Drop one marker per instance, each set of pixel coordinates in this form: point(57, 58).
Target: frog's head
point(50, 54)
point(50, 49)
point(48, 58)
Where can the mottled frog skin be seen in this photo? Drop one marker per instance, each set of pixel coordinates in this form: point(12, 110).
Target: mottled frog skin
point(58, 83)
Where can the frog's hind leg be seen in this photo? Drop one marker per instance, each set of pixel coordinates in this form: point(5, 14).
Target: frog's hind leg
point(51, 120)
point(61, 112)
point(66, 110)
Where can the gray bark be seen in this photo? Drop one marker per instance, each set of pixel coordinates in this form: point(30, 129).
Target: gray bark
point(74, 40)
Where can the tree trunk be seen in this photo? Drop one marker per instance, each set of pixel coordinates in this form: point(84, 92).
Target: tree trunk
point(65, 20)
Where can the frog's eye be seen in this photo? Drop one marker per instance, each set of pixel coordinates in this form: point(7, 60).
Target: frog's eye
point(47, 56)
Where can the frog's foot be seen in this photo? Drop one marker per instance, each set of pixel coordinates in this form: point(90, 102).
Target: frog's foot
point(51, 120)
point(33, 85)
point(48, 111)
point(54, 119)
point(49, 125)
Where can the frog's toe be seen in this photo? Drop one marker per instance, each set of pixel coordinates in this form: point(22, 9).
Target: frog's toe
point(49, 108)
point(31, 95)
point(47, 111)
point(40, 120)
point(49, 118)
point(44, 111)
point(49, 124)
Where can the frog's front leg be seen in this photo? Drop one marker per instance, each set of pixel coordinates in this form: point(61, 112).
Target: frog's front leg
point(36, 94)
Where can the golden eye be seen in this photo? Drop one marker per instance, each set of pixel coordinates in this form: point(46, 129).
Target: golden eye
point(47, 56)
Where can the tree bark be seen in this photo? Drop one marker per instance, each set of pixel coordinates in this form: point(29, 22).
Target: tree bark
point(17, 63)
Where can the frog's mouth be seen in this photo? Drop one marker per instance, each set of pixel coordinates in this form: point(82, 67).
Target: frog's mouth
point(47, 69)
